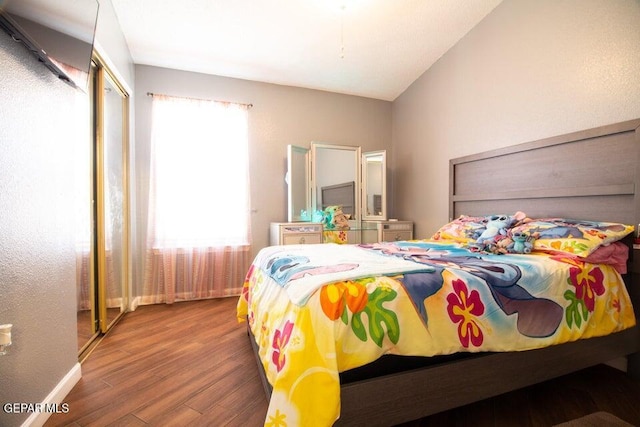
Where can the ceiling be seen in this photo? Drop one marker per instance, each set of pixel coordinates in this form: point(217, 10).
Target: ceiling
point(370, 48)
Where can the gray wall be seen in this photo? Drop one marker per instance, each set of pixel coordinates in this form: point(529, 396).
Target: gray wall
point(42, 120)
point(529, 70)
point(37, 246)
point(280, 115)
point(110, 41)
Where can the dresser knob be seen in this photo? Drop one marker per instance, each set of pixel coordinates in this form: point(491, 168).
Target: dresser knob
point(302, 241)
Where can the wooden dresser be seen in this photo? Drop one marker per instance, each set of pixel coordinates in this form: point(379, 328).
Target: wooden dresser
point(297, 233)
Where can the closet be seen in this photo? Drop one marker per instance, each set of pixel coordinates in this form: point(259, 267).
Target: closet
point(102, 267)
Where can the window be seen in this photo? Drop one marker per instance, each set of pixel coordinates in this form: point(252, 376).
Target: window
point(199, 174)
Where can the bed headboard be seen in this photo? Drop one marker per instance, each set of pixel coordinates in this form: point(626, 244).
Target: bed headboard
point(592, 174)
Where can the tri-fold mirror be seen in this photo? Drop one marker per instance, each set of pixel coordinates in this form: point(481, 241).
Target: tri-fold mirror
point(327, 174)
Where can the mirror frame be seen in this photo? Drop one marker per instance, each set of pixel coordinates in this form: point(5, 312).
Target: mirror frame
point(315, 146)
point(308, 156)
point(293, 181)
point(365, 185)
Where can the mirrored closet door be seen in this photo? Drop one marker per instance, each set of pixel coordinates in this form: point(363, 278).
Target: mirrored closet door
point(103, 274)
point(111, 199)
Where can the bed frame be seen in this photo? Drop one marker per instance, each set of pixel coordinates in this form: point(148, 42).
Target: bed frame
point(592, 174)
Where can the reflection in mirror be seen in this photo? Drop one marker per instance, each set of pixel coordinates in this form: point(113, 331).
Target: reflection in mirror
point(298, 192)
point(335, 172)
point(374, 185)
point(87, 327)
point(114, 199)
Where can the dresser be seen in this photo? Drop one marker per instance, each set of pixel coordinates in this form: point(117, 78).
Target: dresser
point(295, 233)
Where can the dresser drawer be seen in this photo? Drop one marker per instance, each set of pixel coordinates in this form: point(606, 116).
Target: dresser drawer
point(395, 235)
point(295, 233)
point(392, 231)
point(301, 238)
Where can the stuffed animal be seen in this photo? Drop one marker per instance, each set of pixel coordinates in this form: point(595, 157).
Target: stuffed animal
point(496, 237)
point(334, 218)
point(522, 243)
point(497, 225)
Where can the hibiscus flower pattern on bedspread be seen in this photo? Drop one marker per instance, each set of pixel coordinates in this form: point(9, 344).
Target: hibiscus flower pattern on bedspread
point(452, 301)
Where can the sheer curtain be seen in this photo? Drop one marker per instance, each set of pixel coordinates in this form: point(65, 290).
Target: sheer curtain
point(198, 241)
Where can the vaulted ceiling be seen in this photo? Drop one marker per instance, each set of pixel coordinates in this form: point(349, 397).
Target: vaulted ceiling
point(371, 48)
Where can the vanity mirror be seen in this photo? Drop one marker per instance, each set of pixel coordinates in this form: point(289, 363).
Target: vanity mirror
point(328, 174)
point(298, 191)
point(374, 179)
point(335, 172)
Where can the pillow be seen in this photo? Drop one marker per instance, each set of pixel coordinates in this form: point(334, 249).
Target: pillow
point(577, 237)
point(463, 229)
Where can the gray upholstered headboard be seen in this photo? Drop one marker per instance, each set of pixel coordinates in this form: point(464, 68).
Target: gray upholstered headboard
point(592, 174)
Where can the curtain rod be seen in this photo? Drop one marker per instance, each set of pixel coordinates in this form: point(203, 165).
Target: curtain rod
point(201, 99)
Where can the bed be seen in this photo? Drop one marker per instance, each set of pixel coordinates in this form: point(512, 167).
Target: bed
point(385, 307)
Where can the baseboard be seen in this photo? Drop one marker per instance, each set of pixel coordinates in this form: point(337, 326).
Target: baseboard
point(57, 395)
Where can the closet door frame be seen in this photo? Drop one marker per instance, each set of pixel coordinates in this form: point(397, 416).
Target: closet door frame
point(102, 73)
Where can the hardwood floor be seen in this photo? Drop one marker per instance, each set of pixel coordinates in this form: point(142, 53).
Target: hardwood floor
point(180, 364)
point(191, 363)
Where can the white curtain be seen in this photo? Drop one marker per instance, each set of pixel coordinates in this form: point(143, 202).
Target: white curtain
point(198, 243)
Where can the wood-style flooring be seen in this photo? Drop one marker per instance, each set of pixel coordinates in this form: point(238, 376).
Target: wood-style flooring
point(190, 364)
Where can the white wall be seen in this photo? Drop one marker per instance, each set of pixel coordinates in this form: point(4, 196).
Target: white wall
point(529, 70)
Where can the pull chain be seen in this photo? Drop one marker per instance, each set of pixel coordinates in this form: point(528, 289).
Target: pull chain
point(342, 7)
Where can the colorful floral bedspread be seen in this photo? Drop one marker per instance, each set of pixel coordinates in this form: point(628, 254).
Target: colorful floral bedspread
point(453, 301)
